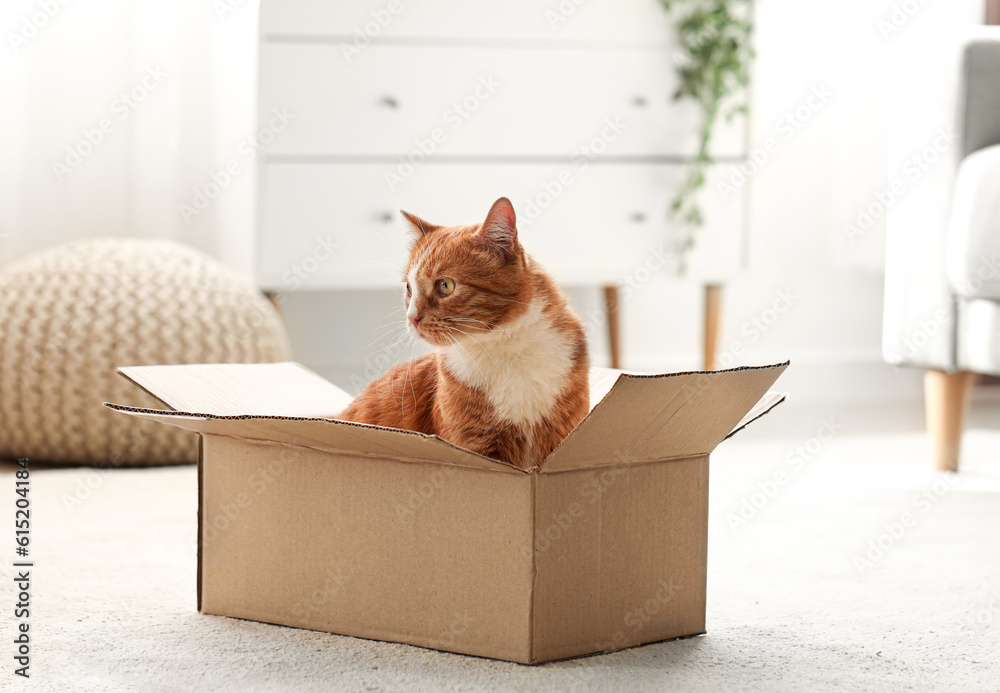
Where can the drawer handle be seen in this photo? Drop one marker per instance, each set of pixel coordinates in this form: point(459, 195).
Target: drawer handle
point(638, 217)
point(387, 217)
point(389, 102)
point(640, 101)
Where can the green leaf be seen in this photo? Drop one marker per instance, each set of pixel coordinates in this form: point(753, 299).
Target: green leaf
point(717, 38)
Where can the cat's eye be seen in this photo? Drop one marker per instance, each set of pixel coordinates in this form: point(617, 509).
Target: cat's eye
point(445, 286)
point(408, 292)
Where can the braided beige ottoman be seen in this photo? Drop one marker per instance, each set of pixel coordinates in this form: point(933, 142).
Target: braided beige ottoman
point(70, 315)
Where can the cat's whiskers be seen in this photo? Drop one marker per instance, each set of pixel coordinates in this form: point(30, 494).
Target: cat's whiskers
point(385, 335)
point(389, 328)
point(388, 349)
point(486, 326)
point(408, 380)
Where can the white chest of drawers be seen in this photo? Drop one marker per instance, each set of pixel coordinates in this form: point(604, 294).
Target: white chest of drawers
point(441, 106)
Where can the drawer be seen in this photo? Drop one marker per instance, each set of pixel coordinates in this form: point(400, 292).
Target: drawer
point(478, 101)
point(589, 224)
point(471, 20)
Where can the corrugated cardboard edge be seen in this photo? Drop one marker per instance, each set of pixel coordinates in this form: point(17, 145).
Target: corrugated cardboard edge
point(534, 571)
point(170, 413)
point(780, 367)
point(285, 388)
point(657, 376)
point(499, 465)
point(779, 398)
point(201, 510)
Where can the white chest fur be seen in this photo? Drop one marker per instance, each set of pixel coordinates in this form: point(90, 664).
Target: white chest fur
point(521, 368)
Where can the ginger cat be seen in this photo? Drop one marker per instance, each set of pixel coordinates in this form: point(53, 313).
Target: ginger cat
point(509, 377)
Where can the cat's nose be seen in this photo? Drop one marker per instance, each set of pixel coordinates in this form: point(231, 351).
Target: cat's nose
point(416, 319)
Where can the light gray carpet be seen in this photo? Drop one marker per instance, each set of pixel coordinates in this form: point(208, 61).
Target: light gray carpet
point(788, 609)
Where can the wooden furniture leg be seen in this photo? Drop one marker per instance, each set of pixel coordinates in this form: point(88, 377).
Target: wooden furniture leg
point(993, 11)
point(713, 307)
point(611, 309)
point(946, 396)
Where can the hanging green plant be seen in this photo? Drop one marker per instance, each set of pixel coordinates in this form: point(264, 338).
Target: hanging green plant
point(714, 71)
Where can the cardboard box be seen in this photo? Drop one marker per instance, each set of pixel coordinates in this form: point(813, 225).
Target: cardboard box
point(393, 535)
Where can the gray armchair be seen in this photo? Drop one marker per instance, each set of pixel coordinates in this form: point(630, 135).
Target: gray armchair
point(942, 304)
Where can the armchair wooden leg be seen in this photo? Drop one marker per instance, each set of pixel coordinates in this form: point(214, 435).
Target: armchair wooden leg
point(611, 307)
point(946, 397)
point(713, 311)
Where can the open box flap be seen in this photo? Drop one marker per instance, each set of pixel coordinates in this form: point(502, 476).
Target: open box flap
point(324, 434)
point(284, 403)
point(769, 401)
point(655, 417)
point(238, 389)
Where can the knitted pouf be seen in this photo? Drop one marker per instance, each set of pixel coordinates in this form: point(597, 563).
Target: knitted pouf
point(70, 315)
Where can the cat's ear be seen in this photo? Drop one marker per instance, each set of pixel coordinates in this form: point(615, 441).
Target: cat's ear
point(499, 231)
point(419, 224)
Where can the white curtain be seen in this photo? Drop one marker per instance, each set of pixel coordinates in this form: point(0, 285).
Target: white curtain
point(117, 117)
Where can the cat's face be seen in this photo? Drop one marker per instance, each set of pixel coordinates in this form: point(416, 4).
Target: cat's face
point(463, 282)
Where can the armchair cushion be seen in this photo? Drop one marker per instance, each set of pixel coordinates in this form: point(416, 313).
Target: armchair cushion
point(974, 233)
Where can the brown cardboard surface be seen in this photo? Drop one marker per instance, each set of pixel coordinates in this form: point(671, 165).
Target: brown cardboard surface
point(234, 389)
point(657, 417)
point(419, 553)
point(765, 404)
point(394, 535)
point(633, 417)
point(325, 434)
point(620, 556)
